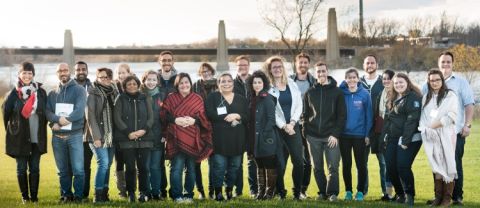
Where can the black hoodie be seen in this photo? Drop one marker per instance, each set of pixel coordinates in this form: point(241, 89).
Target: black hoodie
point(325, 111)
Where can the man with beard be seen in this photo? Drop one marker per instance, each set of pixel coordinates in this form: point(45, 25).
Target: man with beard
point(240, 87)
point(81, 73)
point(166, 78)
point(373, 83)
point(167, 73)
point(66, 112)
point(304, 81)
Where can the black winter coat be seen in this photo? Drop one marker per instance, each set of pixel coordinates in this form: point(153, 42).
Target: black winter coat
point(266, 142)
point(324, 110)
point(17, 127)
point(404, 121)
point(132, 113)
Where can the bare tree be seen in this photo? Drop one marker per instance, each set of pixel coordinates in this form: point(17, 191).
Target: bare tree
point(294, 20)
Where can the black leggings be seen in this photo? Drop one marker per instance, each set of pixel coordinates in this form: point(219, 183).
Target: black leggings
point(358, 145)
point(137, 158)
point(269, 162)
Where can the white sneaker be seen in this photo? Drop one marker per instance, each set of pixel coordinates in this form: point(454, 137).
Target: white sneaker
point(303, 196)
point(187, 200)
point(332, 198)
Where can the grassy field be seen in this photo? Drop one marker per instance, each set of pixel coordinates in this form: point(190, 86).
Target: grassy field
point(49, 184)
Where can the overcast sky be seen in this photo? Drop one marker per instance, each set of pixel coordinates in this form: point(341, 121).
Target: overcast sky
point(101, 23)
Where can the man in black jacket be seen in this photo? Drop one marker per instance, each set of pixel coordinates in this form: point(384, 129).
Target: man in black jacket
point(240, 87)
point(324, 119)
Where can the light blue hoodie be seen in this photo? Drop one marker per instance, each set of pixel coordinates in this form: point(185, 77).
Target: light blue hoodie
point(359, 111)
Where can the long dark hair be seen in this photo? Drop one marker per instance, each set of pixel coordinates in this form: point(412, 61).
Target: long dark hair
point(179, 77)
point(442, 93)
point(261, 75)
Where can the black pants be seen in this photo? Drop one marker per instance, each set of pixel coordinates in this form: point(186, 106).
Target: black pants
point(459, 150)
point(87, 163)
point(266, 162)
point(307, 164)
point(358, 145)
point(198, 177)
point(293, 145)
point(399, 166)
point(139, 158)
point(119, 162)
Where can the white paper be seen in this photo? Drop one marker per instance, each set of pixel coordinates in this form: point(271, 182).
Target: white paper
point(64, 109)
point(221, 110)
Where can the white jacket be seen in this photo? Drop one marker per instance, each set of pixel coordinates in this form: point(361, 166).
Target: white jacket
point(297, 105)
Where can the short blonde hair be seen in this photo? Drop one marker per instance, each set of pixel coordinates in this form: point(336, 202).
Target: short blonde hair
point(267, 69)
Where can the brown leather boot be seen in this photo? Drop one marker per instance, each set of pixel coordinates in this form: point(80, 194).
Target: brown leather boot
point(261, 183)
point(438, 186)
point(447, 194)
point(271, 183)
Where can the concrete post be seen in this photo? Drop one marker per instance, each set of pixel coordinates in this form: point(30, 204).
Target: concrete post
point(68, 50)
point(222, 49)
point(333, 50)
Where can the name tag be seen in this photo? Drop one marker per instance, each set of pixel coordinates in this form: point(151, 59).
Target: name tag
point(433, 113)
point(221, 110)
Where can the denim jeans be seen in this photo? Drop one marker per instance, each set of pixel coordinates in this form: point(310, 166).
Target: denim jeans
point(384, 182)
point(292, 143)
point(399, 166)
point(459, 150)
point(239, 179)
point(32, 162)
point(252, 175)
point(225, 169)
point(141, 158)
point(68, 153)
point(179, 162)
point(318, 147)
point(104, 157)
point(155, 171)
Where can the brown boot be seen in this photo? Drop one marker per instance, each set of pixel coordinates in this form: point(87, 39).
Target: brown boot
point(261, 183)
point(271, 183)
point(438, 186)
point(447, 194)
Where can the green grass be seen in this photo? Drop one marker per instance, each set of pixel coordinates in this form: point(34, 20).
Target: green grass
point(49, 185)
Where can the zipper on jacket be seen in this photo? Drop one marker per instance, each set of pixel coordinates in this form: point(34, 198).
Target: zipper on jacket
point(321, 106)
point(135, 112)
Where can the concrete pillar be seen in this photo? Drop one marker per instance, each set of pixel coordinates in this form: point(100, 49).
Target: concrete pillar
point(333, 50)
point(68, 50)
point(222, 49)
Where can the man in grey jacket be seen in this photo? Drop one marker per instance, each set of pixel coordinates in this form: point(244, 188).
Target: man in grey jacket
point(65, 111)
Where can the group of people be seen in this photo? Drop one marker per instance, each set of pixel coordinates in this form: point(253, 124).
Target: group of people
point(267, 114)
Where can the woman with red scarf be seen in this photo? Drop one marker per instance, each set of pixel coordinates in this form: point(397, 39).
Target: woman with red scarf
point(188, 135)
point(26, 129)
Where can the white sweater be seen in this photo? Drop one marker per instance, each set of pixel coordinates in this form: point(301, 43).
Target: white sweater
point(297, 104)
point(439, 143)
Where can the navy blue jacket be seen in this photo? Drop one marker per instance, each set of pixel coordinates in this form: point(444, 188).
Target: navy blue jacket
point(359, 111)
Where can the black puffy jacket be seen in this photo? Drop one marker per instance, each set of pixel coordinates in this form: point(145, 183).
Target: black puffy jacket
point(132, 113)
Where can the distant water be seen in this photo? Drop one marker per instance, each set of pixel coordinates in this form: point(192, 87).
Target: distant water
point(46, 73)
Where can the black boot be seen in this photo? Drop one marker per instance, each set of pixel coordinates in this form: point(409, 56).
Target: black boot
point(105, 194)
point(211, 192)
point(229, 193)
point(23, 184)
point(34, 180)
point(218, 194)
point(409, 200)
point(131, 196)
point(98, 196)
point(271, 181)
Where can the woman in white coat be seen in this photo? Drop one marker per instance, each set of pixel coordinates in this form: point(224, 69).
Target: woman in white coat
point(437, 124)
point(287, 114)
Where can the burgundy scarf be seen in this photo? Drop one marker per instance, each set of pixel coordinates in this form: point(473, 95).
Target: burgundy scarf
point(28, 94)
point(194, 140)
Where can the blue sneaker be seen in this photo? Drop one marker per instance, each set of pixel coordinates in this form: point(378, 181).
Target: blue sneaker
point(359, 196)
point(348, 196)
